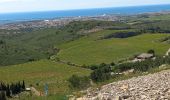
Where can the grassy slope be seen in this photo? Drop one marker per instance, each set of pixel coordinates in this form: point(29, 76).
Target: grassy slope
point(89, 50)
point(22, 47)
point(30, 45)
point(38, 44)
point(42, 72)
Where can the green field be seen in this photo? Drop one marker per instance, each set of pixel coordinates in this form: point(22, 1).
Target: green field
point(41, 72)
point(90, 50)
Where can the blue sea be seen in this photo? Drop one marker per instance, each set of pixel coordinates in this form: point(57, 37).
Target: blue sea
point(28, 16)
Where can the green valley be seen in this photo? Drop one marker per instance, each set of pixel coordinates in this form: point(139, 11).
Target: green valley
point(82, 51)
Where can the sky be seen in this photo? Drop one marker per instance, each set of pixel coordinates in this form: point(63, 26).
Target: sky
point(7, 6)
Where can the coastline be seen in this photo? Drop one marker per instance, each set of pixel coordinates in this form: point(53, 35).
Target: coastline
point(54, 22)
point(58, 22)
point(8, 18)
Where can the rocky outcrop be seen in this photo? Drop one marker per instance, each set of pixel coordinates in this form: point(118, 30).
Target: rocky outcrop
point(150, 87)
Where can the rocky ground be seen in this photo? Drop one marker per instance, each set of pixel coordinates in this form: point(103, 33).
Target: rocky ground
point(150, 87)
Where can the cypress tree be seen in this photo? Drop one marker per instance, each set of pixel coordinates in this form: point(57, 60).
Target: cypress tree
point(2, 95)
point(8, 92)
point(0, 87)
point(23, 85)
point(12, 88)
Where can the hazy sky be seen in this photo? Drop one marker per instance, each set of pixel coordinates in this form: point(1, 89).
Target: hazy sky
point(43, 5)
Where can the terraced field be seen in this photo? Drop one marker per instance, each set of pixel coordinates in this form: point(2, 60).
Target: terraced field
point(41, 72)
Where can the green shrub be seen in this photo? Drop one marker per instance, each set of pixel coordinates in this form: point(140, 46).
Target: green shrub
point(79, 82)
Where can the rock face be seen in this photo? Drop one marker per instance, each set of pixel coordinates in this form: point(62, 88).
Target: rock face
point(150, 87)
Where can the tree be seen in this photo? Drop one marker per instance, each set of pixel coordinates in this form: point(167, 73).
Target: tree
point(2, 95)
point(12, 88)
point(102, 73)
point(79, 82)
point(93, 67)
point(75, 81)
point(8, 92)
point(151, 51)
point(112, 64)
point(23, 85)
point(1, 42)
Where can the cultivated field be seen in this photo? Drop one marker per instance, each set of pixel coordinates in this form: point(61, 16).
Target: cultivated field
point(41, 72)
point(93, 50)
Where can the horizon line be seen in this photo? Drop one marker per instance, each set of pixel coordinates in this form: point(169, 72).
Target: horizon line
point(81, 9)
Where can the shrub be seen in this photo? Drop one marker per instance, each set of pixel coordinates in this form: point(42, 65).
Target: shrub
point(79, 82)
point(151, 51)
point(102, 73)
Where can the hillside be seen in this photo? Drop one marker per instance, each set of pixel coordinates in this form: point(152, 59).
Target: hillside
point(88, 39)
point(24, 45)
point(152, 86)
point(40, 72)
point(93, 50)
point(86, 53)
point(119, 44)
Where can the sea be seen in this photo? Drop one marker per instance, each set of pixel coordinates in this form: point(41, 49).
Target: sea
point(29, 16)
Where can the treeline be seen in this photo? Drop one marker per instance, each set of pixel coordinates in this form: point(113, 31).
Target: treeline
point(122, 35)
point(153, 26)
point(143, 65)
point(8, 90)
point(104, 71)
point(76, 26)
point(142, 28)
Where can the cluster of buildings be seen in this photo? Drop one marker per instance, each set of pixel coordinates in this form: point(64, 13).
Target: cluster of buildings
point(34, 24)
point(53, 22)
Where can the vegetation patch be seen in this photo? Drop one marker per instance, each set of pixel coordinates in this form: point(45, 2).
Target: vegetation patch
point(9, 90)
point(165, 39)
point(122, 35)
point(79, 82)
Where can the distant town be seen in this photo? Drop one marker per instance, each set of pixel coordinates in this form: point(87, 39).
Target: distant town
point(57, 22)
point(54, 22)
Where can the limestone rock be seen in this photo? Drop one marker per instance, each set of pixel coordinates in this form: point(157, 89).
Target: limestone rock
point(150, 87)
